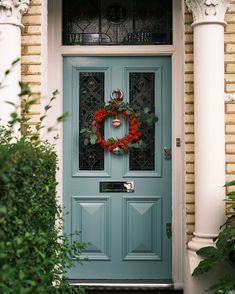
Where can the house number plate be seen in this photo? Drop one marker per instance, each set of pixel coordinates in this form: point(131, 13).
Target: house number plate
point(127, 187)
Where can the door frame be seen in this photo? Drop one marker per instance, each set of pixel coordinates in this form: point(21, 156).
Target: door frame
point(52, 78)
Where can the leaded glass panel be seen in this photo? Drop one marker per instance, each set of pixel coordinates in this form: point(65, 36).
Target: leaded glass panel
point(91, 97)
point(142, 89)
point(117, 22)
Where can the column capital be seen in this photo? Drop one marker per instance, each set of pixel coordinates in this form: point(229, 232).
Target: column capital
point(208, 11)
point(11, 11)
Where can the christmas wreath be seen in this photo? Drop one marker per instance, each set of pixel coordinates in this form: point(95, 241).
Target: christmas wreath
point(114, 108)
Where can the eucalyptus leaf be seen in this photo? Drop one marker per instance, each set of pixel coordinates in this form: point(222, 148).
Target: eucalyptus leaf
point(146, 110)
point(135, 145)
point(93, 139)
point(86, 142)
point(93, 129)
point(83, 131)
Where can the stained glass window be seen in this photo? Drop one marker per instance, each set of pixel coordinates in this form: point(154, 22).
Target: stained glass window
point(142, 88)
point(132, 22)
point(91, 94)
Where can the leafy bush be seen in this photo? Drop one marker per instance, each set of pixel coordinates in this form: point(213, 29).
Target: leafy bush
point(223, 254)
point(34, 254)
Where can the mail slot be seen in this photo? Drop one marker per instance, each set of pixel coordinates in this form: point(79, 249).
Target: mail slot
point(126, 187)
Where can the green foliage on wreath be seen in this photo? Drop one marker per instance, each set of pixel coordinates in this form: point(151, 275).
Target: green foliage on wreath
point(139, 117)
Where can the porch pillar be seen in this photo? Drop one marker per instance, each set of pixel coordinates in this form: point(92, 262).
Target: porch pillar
point(208, 29)
point(11, 12)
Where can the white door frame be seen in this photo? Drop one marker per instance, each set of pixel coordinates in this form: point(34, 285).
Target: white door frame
point(52, 78)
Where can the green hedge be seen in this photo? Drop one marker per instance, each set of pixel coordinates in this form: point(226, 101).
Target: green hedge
point(33, 253)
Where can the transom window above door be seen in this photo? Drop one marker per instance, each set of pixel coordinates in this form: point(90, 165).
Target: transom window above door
point(117, 22)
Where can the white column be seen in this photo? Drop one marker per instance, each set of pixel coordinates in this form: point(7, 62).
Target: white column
point(11, 12)
point(208, 29)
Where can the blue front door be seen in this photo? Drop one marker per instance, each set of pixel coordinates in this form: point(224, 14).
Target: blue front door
point(128, 233)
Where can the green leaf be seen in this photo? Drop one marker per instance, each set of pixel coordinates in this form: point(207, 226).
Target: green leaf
point(93, 129)
point(42, 117)
point(111, 140)
point(3, 209)
point(212, 255)
point(15, 61)
point(83, 131)
point(209, 252)
point(21, 275)
point(146, 110)
point(231, 195)
point(203, 267)
point(62, 117)
point(55, 93)
point(10, 103)
point(14, 115)
point(135, 145)
point(34, 138)
point(47, 107)
point(231, 183)
point(92, 141)
point(93, 136)
point(86, 142)
point(226, 285)
point(225, 236)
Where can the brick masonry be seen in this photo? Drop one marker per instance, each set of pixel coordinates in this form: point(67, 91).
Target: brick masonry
point(189, 125)
point(31, 73)
point(31, 54)
point(229, 83)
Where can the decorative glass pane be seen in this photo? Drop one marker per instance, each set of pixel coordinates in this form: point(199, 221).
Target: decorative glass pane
point(142, 88)
point(117, 22)
point(91, 95)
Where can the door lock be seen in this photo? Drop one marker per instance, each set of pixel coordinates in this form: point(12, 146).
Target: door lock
point(167, 153)
point(169, 230)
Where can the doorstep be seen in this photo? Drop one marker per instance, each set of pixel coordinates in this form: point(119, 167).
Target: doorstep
point(134, 291)
point(127, 287)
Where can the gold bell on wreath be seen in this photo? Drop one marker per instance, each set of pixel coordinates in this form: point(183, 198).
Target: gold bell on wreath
point(116, 122)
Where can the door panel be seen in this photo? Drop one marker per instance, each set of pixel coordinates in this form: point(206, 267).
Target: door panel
point(126, 232)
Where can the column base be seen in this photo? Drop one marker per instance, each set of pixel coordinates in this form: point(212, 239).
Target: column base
point(199, 241)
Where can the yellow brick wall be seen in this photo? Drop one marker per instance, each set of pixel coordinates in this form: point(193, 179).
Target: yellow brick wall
point(189, 125)
point(31, 53)
point(230, 88)
point(189, 112)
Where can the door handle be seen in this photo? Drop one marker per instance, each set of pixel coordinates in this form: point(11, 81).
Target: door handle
point(167, 153)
